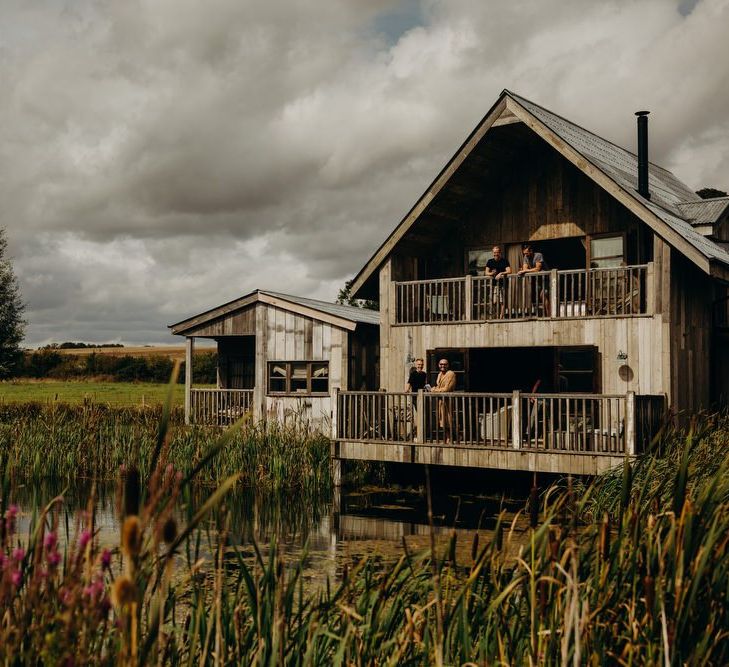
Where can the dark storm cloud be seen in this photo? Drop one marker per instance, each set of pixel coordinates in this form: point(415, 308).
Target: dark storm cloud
point(161, 157)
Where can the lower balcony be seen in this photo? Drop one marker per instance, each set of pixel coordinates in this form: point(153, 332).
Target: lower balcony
point(452, 428)
point(219, 407)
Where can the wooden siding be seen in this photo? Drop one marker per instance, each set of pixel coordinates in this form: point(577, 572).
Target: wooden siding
point(690, 335)
point(237, 323)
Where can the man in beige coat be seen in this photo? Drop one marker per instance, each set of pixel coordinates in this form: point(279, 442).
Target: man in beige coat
point(446, 382)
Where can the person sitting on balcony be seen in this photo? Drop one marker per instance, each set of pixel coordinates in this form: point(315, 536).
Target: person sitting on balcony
point(446, 382)
point(497, 268)
point(534, 262)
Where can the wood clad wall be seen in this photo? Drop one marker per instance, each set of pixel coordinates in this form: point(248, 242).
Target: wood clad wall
point(546, 198)
point(286, 336)
point(642, 338)
point(691, 331)
point(238, 323)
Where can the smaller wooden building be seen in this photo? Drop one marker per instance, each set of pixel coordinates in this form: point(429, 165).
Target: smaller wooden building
point(280, 356)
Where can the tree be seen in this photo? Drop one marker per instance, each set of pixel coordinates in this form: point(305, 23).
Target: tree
point(710, 193)
point(345, 298)
point(12, 324)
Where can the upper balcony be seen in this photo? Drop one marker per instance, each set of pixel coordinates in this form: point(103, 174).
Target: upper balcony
point(625, 291)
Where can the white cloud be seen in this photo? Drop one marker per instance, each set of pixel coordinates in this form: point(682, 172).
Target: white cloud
point(158, 158)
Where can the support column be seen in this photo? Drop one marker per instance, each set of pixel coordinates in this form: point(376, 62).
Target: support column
point(189, 350)
point(553, 293)
point(630, 423)
point(516, 419)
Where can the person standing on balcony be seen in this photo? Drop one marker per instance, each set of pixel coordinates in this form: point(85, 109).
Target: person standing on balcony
point(497, 268)
point(534, 262)
point(445, 383)
point(417, 380)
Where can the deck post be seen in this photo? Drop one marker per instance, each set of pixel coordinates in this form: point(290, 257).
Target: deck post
point(650, 288)
point(553, 295)
point(419, 435)
point(516, 419)
point(189, 349)
point(468, 298)
point(630, 423)
point(335, 414)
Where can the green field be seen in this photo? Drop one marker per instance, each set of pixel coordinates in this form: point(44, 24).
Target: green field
point(113, 393)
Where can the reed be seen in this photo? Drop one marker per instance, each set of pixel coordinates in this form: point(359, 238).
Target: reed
point(68, 442)
point(645, 585)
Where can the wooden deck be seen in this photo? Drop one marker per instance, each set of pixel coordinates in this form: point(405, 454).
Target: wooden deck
point(581, 434)
point(608, 292)
point(219, 407)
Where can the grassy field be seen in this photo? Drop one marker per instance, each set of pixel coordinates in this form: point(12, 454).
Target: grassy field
point(170, 351)
point(113, 393)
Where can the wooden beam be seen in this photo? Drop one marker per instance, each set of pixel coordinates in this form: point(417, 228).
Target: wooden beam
point(189, 351)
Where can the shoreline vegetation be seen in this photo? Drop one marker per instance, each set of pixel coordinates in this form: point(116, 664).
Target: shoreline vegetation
point(631, 569)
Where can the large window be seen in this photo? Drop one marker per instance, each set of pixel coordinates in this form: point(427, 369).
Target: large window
point(298, 377)
point(607, 252)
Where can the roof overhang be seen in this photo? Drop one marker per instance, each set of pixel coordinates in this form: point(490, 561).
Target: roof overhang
point(188, 326)
point(507, 110)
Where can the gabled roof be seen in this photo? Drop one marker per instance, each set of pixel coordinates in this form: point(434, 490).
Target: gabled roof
point(346, 317)
point(704, 211)
point(613, 168)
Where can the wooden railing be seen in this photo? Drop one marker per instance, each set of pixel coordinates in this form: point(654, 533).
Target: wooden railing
point(219, 407)
point(608, 292)
point(576, 423)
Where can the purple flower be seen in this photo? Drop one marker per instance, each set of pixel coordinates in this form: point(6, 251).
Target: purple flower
point(16, 577)
point(84, 539)
point(106, 559)
point(18, 554)
point(54, 558)
point(12, 512)
point(50, 540)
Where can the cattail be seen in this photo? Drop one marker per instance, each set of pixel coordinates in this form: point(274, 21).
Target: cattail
point(474, 546)
point(131, 536)
point(123, 592)
point(169, 531)
point(452, 549)
point(650, 590)
point(553, 546)
point(542, 597)
point(131, 491)
point(500, 537)
point(605, 537)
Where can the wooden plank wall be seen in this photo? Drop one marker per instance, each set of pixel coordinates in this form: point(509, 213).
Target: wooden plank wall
point(291, 337)
point(642, 338)
point(691, 330)
point(239, 323)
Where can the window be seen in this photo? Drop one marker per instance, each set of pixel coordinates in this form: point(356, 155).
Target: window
point(576, 370)
point(477, 259)
point(298, 377)
point(607, 252)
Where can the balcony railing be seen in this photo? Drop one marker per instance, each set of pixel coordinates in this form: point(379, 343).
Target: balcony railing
point(219, 407)
point(609, 292)
point(575, 423)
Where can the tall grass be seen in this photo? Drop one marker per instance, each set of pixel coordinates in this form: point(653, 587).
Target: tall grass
point(648, 586)
point(68, 442)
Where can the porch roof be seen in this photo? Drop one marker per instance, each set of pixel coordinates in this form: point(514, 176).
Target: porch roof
point(346, 317)
point(669, 211)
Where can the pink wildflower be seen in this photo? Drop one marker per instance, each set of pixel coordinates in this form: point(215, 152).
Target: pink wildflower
point(16, 577)
point(84, 539)
point(50, 540)
point(54, 558)
point(12, 512)
point(18, 554)
point(105, 559)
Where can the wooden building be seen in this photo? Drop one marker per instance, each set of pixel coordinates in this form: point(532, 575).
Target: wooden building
point(565, 369)
point(280, 356)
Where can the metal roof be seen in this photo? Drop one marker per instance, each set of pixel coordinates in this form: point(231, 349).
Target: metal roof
point(705, 211)
point(668, 193)
point(351, 313)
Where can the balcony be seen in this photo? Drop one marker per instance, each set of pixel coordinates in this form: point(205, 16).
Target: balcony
point(219, 407)
point(605, 292)
point(452, 428)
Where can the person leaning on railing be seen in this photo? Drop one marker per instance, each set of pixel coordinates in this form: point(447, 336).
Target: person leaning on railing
point(534, 262)
point(497, 268)
point(417, 380)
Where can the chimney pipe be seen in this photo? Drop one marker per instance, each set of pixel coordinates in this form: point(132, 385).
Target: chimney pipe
point(643, 153)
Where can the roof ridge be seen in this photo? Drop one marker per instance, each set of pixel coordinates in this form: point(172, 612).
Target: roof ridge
point(518, 98)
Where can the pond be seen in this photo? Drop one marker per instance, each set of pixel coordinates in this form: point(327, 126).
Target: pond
point(330, 531)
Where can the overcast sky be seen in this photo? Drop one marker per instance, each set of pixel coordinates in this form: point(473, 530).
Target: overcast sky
point(161, 157)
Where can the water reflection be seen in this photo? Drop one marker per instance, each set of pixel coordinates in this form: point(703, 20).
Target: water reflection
point(331, 531)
